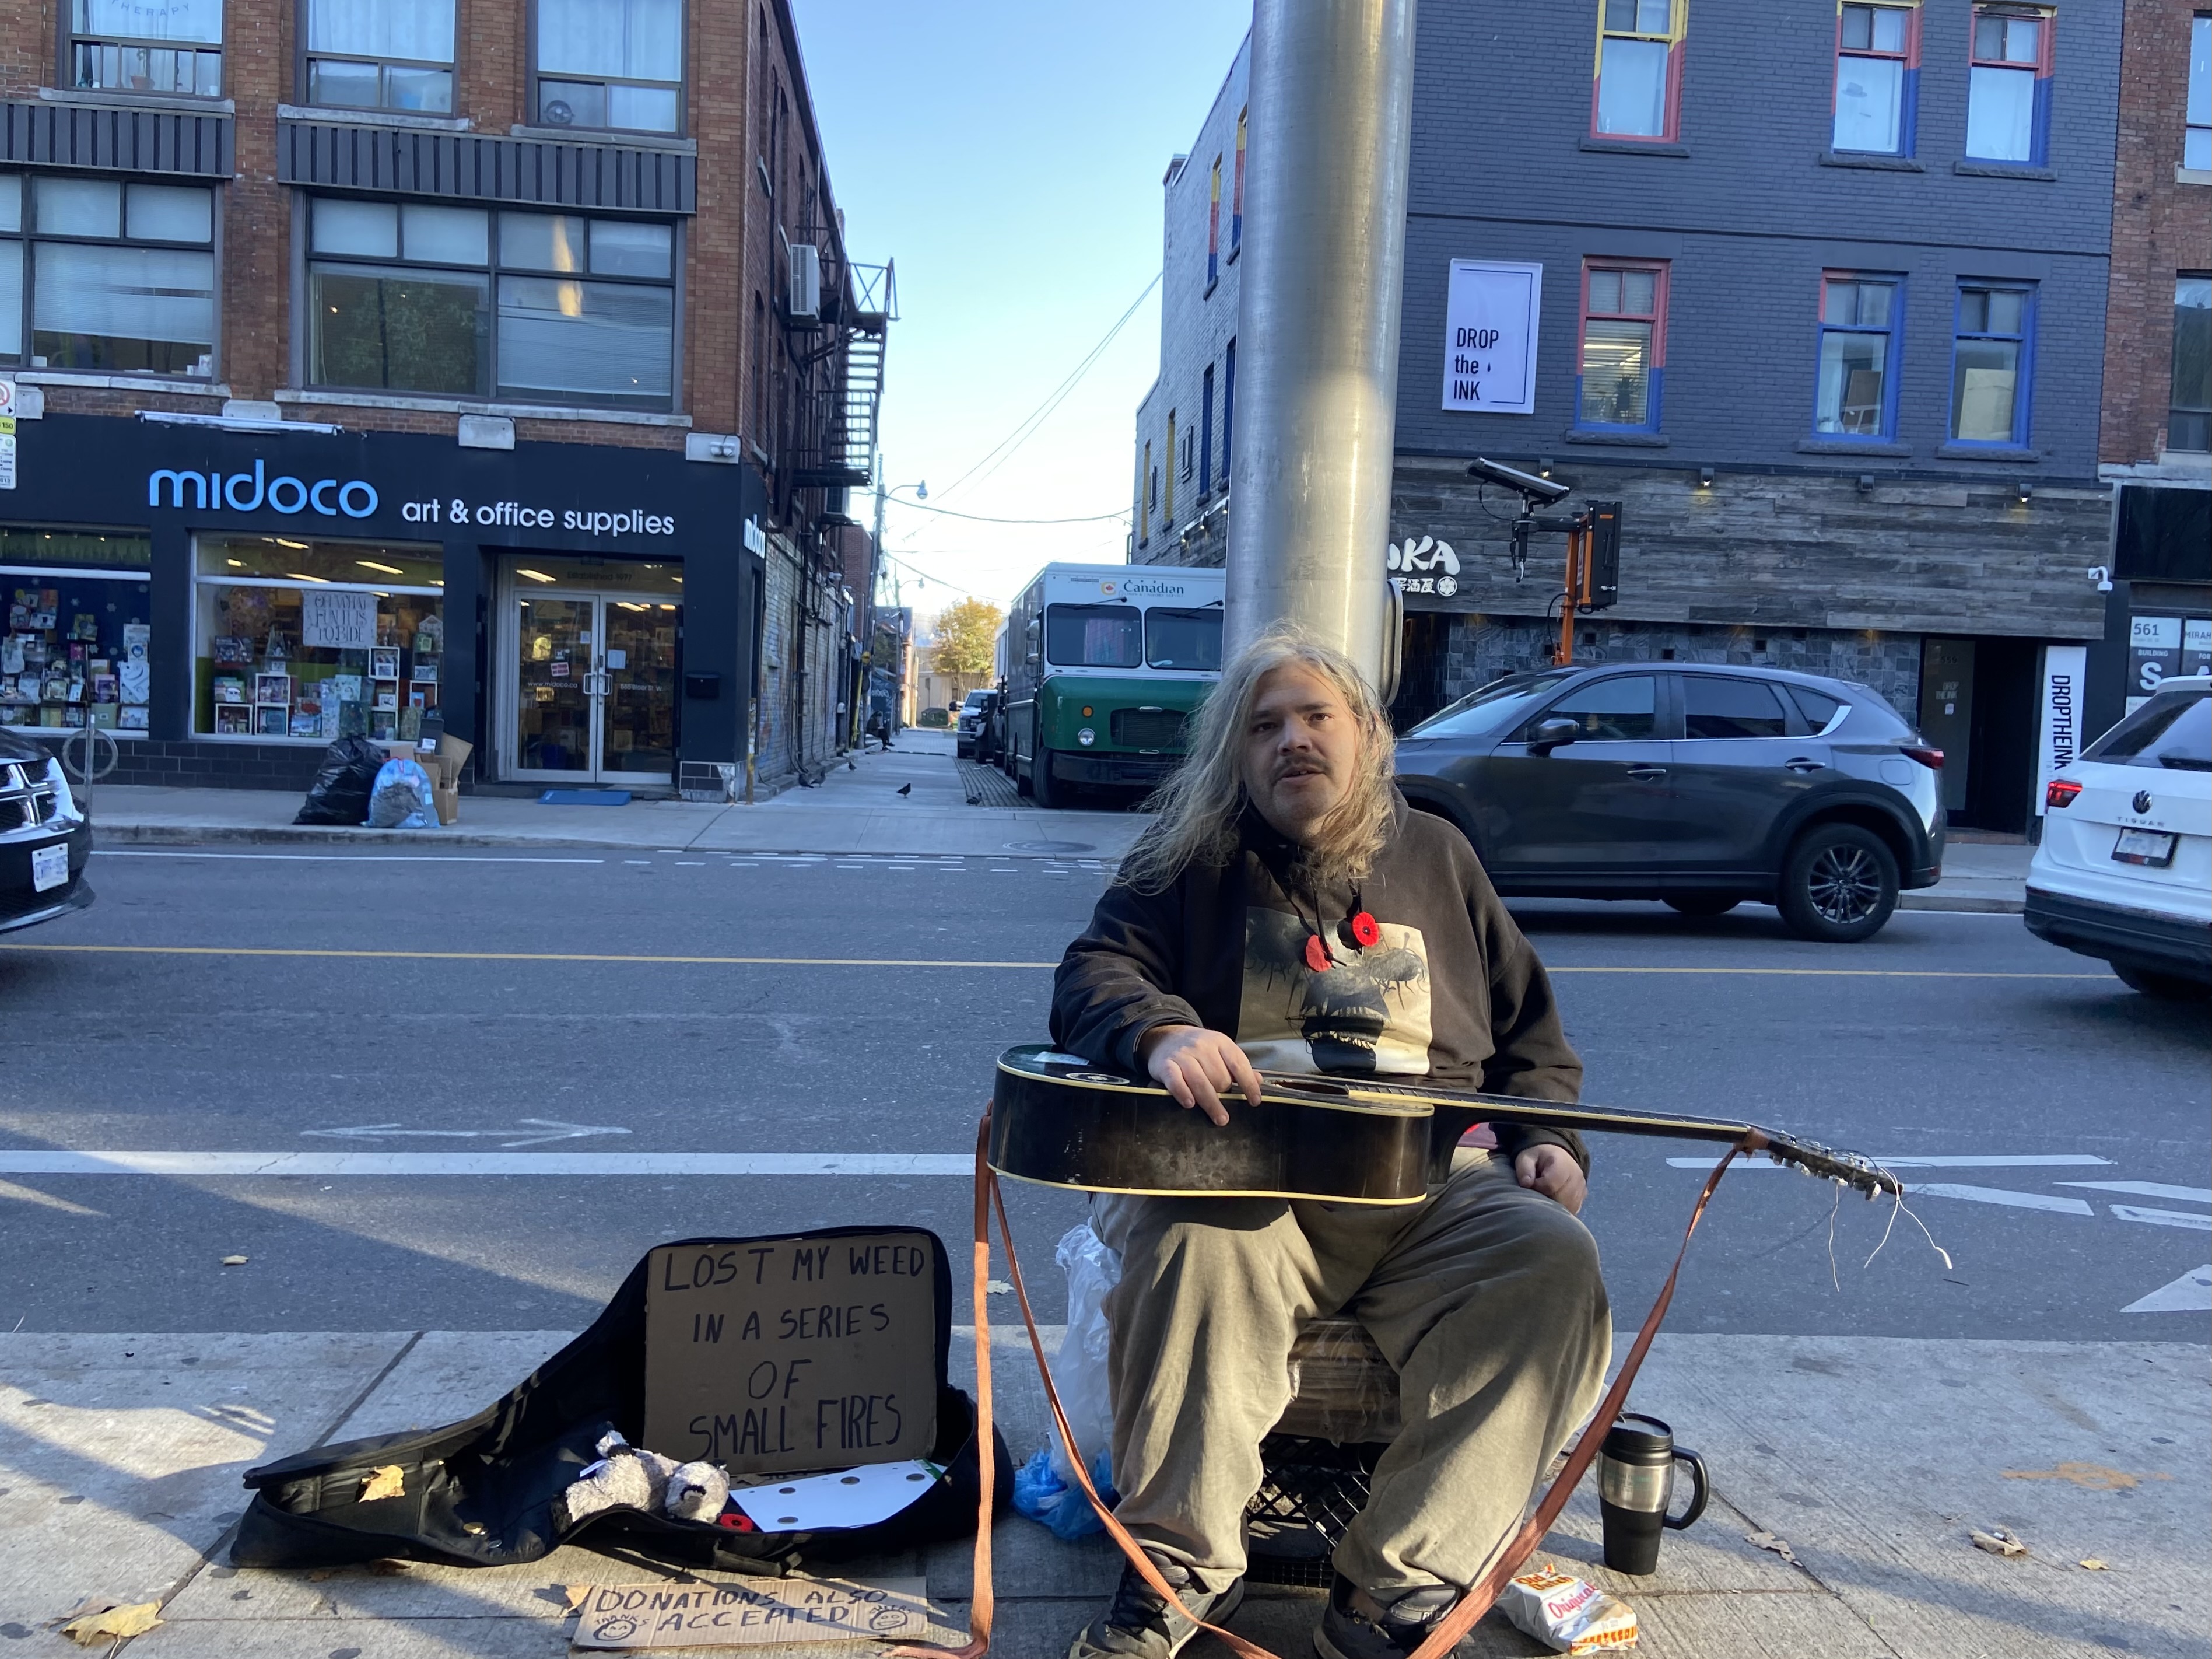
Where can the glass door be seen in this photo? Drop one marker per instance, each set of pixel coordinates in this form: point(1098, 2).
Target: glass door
point(594, 684)
point(556, 714)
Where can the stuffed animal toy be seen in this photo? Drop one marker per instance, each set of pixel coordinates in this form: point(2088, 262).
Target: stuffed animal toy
point(697, 1491)
point(623, 1477)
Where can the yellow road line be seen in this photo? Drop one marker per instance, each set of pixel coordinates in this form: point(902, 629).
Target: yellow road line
point(918, 961)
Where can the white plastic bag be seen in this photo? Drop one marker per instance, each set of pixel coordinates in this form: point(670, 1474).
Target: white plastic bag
point(401, 798)
point(1079, 1370)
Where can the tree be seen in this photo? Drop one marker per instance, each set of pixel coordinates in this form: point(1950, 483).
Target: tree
point(965, 634)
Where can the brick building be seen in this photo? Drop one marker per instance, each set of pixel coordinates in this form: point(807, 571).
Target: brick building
point(2157, 430)
point(375, 363)
point(1818, 296)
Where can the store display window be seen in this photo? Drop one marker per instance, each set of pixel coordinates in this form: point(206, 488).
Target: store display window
point(77, 648)
point(304, 641)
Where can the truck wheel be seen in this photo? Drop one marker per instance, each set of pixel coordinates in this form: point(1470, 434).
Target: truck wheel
point(1838, 884)
point(1046, 790)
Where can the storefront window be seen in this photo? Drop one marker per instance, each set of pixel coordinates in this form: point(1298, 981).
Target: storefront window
point(77, 648)
point(310, 641)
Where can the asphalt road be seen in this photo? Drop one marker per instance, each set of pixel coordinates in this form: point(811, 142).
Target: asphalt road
point(263, 1001)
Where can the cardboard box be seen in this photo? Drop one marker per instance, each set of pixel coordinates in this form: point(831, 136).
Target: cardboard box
point(454, 752)
point(447, 798)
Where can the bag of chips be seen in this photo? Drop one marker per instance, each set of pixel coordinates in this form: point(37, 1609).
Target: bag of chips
point(1568, 1615)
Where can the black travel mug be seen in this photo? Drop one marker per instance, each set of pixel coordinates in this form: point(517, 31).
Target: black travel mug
point(1636, 1479)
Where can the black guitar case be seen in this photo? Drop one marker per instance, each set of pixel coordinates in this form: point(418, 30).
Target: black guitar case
point(480, 1493)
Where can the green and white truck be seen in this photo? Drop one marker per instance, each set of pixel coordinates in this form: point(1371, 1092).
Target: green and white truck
point(1103, 664)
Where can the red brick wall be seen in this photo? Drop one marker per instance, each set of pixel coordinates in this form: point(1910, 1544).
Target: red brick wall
point(2160, 227)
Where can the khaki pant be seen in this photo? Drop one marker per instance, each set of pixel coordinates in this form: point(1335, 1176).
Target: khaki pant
point(1485, 1297)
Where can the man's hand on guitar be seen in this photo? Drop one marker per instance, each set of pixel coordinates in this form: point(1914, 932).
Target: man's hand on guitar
point(1196, 1066)
point(1553, 1171)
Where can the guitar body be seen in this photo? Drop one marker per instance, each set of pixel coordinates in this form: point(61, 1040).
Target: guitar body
point(1058, 1119)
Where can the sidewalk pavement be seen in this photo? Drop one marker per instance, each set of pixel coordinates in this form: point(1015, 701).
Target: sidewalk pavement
point(1987, 875)
point(1868, 1459)
point(856, 808)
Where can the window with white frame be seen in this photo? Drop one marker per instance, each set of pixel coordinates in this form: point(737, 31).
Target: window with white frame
point(106, 275)
point(1877, 62)
point(543, 308)
point(611, 64)
point(147, 45)
point(380, 54)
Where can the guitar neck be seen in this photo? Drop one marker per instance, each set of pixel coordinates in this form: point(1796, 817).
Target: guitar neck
point(1546, 1114)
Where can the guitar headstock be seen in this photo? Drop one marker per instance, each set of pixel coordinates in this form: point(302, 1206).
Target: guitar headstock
point(1862, 1175)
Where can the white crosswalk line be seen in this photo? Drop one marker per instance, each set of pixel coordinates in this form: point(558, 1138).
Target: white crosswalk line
point(1958, 1161)
point(189, 1165)
point(2162, 1218)
point(1938, 1189)
point(2147, 1189)
point(2190, 1294)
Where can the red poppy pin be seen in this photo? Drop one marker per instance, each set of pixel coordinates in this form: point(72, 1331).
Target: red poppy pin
point(1318, 956)
point(1365, 931)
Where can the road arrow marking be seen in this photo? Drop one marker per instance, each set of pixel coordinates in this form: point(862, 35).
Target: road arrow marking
point(2147, 1189)
point(555, 1131)
point(2190, 1294)
point(1938, 1189)
point(2162, 1218)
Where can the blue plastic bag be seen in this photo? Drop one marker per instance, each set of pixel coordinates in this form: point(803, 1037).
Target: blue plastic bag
point(401, 798)
point(1051, 1502)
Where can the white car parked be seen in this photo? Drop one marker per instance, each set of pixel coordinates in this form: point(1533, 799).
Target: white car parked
point(2124, 872)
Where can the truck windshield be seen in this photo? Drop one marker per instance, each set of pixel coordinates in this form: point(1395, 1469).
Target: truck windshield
point(1094, 636)
point(1183, 639)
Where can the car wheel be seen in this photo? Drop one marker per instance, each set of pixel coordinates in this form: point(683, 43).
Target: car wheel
point(2167, 987)
point(1838, 884)
point(1703, 904)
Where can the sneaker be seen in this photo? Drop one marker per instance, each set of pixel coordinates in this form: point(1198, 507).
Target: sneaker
point(1139, 1624)
point(1347, 1633)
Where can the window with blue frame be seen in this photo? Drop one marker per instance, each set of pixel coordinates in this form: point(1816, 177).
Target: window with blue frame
point(1855, 394)
point(1992, 349)
point(2008, 86)
point(1877, 79)
point(1624, 346)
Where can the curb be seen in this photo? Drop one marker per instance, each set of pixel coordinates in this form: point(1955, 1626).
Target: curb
point(188, 835)
point(1989, 904)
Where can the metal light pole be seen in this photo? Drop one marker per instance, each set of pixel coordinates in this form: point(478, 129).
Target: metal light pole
point(1317, 328)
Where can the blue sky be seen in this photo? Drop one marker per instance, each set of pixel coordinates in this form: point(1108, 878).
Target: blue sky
point(1008, 156)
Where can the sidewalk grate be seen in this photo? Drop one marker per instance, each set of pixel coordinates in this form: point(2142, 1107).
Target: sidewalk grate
point(986, 786)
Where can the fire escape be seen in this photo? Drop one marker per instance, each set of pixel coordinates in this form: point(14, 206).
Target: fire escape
point(839, 316)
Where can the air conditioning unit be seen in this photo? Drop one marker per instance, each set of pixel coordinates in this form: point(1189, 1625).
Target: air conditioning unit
point(805, 280)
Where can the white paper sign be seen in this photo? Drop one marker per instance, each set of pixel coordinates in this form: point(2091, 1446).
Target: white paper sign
point(337, 618)
point(1490, 337)
point(2059, 739)
point(855, 1497)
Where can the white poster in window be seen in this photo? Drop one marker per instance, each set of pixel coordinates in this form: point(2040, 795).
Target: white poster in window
point(2059, 738)
point(338, 618)
point(1490, 337)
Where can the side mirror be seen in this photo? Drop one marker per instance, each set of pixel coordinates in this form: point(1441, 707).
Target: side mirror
point(1551, 733)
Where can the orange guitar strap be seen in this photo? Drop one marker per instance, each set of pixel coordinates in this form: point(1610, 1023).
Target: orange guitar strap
point(1445, 1634)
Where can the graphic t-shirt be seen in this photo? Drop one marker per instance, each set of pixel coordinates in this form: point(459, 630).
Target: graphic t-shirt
point(1368, 1012)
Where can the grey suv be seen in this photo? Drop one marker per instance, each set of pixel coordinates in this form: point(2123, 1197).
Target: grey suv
point(1703, 786)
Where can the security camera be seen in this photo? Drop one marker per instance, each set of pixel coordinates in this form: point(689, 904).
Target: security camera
point(2102, 575)
point(1526, 483)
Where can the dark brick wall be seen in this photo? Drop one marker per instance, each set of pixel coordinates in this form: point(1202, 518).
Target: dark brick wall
point(1749, 217)
point(204, 766)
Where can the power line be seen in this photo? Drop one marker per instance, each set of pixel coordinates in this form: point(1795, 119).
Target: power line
point(997, 455)
point(983, 518)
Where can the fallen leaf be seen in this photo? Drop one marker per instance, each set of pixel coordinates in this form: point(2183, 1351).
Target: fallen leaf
point(2092, 1564)
point(1767, 1541)
point(233, 1261)
point(113, 1623)
point(390, 1481)
point(1998, 1540)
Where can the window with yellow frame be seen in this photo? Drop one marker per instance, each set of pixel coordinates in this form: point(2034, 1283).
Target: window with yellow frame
point(1636, 91)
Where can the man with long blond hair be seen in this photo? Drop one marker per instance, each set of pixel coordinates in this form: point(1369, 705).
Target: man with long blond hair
point(1286, 912)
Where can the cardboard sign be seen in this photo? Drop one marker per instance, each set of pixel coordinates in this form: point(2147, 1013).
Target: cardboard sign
point(773, 1356)
point(750, 1612)
point(338, 618)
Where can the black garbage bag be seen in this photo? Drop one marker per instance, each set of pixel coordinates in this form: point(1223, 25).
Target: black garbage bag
point(342, 783)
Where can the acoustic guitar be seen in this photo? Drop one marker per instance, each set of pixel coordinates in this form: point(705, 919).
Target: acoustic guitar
point(1057, 1120)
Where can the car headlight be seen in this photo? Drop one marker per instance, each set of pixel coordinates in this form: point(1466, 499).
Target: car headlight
point(1086, 737)
point(58, 780)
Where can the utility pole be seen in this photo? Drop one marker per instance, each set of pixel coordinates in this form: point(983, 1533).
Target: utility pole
point(1324, 262)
